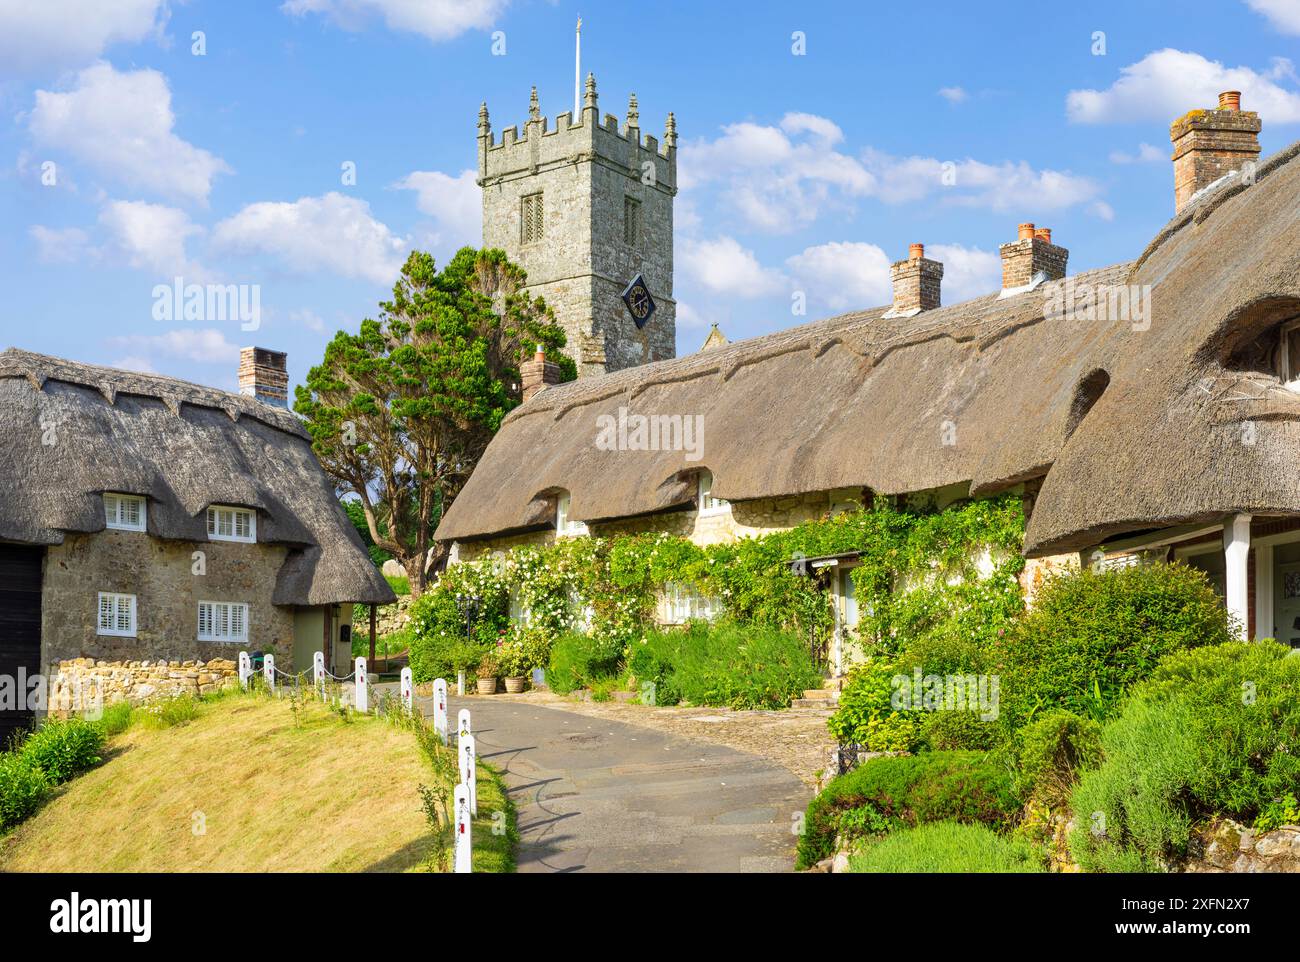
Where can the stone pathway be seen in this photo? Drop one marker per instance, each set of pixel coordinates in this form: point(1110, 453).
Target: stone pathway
point(596, 794)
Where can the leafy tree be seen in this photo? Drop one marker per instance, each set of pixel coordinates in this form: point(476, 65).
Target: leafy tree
point(400, 412)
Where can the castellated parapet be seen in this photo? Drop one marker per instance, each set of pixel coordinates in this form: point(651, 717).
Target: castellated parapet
point(583, 208)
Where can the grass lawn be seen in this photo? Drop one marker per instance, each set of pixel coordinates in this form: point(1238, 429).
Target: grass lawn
point(271, 796)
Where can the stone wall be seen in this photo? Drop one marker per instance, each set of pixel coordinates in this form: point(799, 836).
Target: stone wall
point(162, 575)
point(1227, 846)
point(137, 681)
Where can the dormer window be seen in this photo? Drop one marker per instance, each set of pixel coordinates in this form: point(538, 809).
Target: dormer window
point(232, 524)
point(708, 504)
point(1288, 354)
point(125, 512)
point(564, 525)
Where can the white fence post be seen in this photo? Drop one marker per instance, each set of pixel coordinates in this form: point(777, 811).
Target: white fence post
point(469, 771)
point(408, 691)
point(460, 684)
point(440, 708)
point(318, 672)
point(245, 669)
point(268, 671)
point(464, 857)
point(462, 723)
point(363, 686)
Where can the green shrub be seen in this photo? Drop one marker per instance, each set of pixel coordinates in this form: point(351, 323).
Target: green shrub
point(23, 787)
point(957, 730)
point(578, 660)
point(865, 715)
point(912, 790)
point(947, 847)
point(1053, 750)
point(1092, 635)
point(1214, 731)
point(116, 718)
point(63, 749)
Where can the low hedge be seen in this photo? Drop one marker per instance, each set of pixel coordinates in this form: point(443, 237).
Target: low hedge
point(64, 748)
point(23, 787)
point(578, 660)
point(962, 786)
point(947, 847)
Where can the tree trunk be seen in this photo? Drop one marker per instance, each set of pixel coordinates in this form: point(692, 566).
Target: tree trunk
point(414, 565)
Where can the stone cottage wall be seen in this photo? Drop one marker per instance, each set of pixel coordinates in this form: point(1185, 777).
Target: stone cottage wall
point(165, 656)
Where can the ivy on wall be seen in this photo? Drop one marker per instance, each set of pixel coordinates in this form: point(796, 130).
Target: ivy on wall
point(949, 575)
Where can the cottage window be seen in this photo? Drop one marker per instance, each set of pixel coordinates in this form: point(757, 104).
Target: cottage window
point(707, 502)
point(116, 614)
point(564, 525)
point(232, 524)
point(223, 621)
point(679, 603)
point(631, 221)
point(1288, 367)
point(530, 218)
point(124, 511)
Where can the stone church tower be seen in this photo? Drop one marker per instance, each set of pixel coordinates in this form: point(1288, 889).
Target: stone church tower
point(585, 208)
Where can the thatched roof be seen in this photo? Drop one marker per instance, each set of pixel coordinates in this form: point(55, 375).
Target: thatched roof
point(861, 400)
point(70, 431)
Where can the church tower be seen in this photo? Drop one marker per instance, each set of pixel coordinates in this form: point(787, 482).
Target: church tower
point(586, 209)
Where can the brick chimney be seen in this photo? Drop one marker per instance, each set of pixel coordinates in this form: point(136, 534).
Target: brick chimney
point(1211, 143)
point(264, 375)
point(1032, 254)
point(916, 282)
point(537, 374)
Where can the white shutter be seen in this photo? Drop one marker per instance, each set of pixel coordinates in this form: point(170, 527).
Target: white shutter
point(205, 619)
point(105, 612)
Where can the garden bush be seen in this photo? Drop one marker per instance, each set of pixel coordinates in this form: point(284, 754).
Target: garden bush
point(957, 730)
point(947, 847)
point(865, 715)
point(1093, 635)
point(911, 790)
point(724, 664)
point(1213, 731)
point(1053, 750)
point(578, 660)
point(64, 748)
point(23, 787)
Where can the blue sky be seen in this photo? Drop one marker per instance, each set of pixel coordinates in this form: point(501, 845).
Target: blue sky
point(128, 160)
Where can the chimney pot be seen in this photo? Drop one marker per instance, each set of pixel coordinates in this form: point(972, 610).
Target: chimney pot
point(916, 282)
point(1043, 234)
point(1230, 100)
point(916, 252)
point(1026, 231)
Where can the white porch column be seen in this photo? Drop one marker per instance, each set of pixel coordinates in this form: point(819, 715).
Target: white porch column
point(1236, 548)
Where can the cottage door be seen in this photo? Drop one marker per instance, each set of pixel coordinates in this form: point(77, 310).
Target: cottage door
point(20, 634)
point(1286, 604)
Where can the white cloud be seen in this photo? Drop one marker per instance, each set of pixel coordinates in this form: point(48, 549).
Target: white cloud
point(435, 19)
point(1103, 210)
point(332, 233)
point(205, 345)
point(66, 245)
point(688, 318)
point(42, 35)
point(967, 271)
point(121, 124)
point(1167, 83)
point(150, 236)
point(308, 319)
point(722, 266)
point(456, 203)
point(776, 178)
point(954, 95)
point(1008, 186)
point(1284, 15)
point(1146, 154)
point(843, 275)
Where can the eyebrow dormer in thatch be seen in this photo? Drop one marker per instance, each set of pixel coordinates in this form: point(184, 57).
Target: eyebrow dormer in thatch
point(73, 432)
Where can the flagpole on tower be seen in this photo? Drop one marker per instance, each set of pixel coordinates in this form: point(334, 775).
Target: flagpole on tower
point(577, 74)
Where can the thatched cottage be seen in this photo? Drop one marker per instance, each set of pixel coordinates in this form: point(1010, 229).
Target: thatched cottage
point(152, 528)
point(1147, 408)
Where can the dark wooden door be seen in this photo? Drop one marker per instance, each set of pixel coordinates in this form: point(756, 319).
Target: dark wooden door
point(20, 628)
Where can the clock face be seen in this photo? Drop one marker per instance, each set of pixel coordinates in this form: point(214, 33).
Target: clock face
point(638, 300)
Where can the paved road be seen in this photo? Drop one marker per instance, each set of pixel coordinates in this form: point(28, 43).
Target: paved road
point(604, 796)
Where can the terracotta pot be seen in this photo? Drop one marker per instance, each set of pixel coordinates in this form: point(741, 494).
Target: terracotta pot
point(515, 684)
point(487, 686)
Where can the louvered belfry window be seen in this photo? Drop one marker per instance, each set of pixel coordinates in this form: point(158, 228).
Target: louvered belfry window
point(116, 614)
point(530, 218)
point(631, 221)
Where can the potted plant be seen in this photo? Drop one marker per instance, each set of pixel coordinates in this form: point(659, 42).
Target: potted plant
point(487, 674)
point(512, 660)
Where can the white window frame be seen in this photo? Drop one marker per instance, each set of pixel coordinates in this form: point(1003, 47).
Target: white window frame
point(115, 508)
point(564, 527)
point(214, 522)
point(707, 504)
point(116, 599)
point(228, 607)
point(680, 603)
